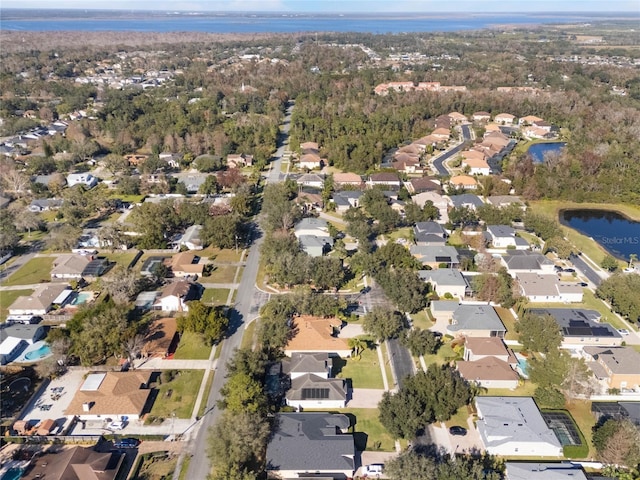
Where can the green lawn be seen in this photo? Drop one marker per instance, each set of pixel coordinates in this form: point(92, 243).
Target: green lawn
point(226, 255)
point(178, 395)
point(215, 296)
point(128, 198)
point(509, 322)
point(526, 389)
point(221, 274)
point(7, 297)
point(121, 258)
point(405, 233)
point(248, 336)
point(387, 365)
point(36, 270)
point(364, 372)
point(459, 418)
point(422, 320)
point(192, 347)
point(377, 437)
point(444, 355)
point(580, 410)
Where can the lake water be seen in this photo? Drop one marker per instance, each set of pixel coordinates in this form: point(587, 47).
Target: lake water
point(538, 150)
point(247, 22)
point(613, 231)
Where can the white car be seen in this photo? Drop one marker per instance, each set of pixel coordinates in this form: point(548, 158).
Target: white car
point(623, 331)
point(374, 468)
point(117, 425)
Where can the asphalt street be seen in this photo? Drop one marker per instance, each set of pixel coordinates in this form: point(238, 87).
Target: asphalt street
point(438, 163)
point(401, 361)
point(245, 309)
point(586, 270)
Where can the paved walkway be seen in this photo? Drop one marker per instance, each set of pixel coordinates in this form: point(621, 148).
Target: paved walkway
point(385, 380)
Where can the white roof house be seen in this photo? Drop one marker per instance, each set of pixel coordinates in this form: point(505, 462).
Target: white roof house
point(543, 471)
point(85, 179)
point(513, 426)
point(191, 238)
point(548, 288)
point(41, 300)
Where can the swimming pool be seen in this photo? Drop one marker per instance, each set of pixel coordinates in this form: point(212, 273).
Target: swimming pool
point(39, 351)
point(13, 474)
point(523, 366)
point(80, 298)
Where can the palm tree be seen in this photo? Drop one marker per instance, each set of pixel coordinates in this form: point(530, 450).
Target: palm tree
point(358, 346)
point(633, 258)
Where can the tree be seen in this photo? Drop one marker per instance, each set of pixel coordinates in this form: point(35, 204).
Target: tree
point(327, 273)
point(561, 246)
point(111, 235)
point(121, 284)
point(209, 321)
point(63, 237)
point(579, 381)
point(132, 347)
point(609, 263)
point(462, 216)
point(279, 211)
point(424, 397)
point(243, 393)
point(223, 231)
point(9, 237)
point(416, 465)
point(617, 442)
point(421, 342)
point(210, 186)
point(357, 345)
point(115, 163)
point(621, 291)
point(383, 323)
point(155, 222)
point(549, 373)
point(539, 333)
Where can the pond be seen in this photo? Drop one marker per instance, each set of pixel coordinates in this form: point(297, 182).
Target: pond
point(617, 234)
point(538, 150)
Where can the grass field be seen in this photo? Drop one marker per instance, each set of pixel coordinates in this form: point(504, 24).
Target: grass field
point(221, 274)
point(459, 418)
point(422, 320)
point(192, 347)
point(179, 395)
point(121, 258)
point(509, 322)
point(36, 270)
point(444, 355)
point(7, 297)
point(364, 372)
point(215, 296)
point(219, 256)
point(377, 436)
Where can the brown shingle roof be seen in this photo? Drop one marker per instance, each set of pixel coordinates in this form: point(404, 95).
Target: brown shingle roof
point(183, 262)
point(119, 393)
point(179, 289)
point(487, 368)
point(314, 334)
point(76, 463)
point(159, 336)
point(486, 346)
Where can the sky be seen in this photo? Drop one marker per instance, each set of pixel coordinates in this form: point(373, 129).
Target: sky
point(330, 6)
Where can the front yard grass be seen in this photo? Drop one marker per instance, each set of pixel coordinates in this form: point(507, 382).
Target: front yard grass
point(7, 297)
point(422, 320)
point(220, 274)
point(215, 296)
point(364, 372)
point(121, 258)
point(444, 355)
point(526, 389)
point(509, 322)
point(205, 396)
point(405, 233)
point(221, 255)
point(36, 270)
point(192, 347)
point(177, 395)
point(459, 418)
point(367, 422)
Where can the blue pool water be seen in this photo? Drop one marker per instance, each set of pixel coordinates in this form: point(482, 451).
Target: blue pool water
point(524, 366)
point(12, 474)
point(81, 298)
point(537, 150)
point(43, 351)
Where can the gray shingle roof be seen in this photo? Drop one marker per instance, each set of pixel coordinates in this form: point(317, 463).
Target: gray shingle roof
point(466, 199)
point(333, 388)
point(443, 277)
point(307, 442)
point(476, 317)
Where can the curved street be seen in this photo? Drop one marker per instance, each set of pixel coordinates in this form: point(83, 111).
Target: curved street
point(438, 162)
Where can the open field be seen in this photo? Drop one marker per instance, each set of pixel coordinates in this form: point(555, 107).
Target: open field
point(178, 395)
point(7, 298)
point(192, 347)
point(36, 270)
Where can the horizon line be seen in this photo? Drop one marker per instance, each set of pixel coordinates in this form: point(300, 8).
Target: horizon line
point(306, 12)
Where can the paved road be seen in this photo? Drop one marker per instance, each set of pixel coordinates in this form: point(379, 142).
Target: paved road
point(586, 269)
point(401, 361)
point(242, 313)
point(438, 163)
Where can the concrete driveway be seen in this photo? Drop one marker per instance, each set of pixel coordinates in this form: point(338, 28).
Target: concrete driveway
point(365, 398)
point(351, 330)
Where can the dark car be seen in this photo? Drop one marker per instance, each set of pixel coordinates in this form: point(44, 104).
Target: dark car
point(583, 284)
point(460, 431)
point(126, 443)
point(569, 270)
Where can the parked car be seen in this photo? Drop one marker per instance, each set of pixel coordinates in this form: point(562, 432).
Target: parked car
point(117, 425)
point(126, 443)
point(583, 284)
point(569, 270)
point(623, 331)
point(459, 431)
point(375, 468)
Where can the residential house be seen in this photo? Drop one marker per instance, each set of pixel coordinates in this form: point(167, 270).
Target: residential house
point(311, 443)
point(186, 264)
point(76, 463)
point(346, 199)
point(111, 395)
point(317, 334)
point(476, 162)
point(85, 179)
point(15, 337)
point(477, 348)
point(537, 132)
point(444, 121)
point(447, 281)
point(617, 367)
point(523, 261)
point(544, 471)
point(438, 201)
point(341, 180)
point(41, 301)
point(463, 181)
point(318, 364)
point(481, 116)
point(311, 391)
point(468, 200)
point(492, 127)
point(310, 180)
point(504, 119)
point(309, 147)
point(476, 321)
point(161, 338)
point(581, 327)
point(10, 349)
point(388, 180)
point(423, 184)
point(604, 411)
point(310, 161)
point(514, 426)
point(309, 200)
point(538, 287)
point(410, 166)
point(175, 295)
point(44, 204)
point(441, 134)
point(504, 236)
point(489, 372)
point(541, 124)
point(171, 159)
point(239, 160)
point(75, 267)
point(191, 238)
point(457, 117)
point(505, 200)
point(442, 310)
point(315, 246)
point(48, 179)
point(436, 256)
point(528, 120)
point(429, 233)
point(135, 159)
point(192, 181)
point(311, 226)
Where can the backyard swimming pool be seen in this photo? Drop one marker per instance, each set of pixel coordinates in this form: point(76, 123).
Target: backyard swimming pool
point(13, 474)
point(80, 298)
point(523, 366)
point(37, 351)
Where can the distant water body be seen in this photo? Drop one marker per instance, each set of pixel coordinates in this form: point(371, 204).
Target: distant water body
point(149, 21)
